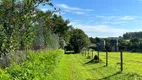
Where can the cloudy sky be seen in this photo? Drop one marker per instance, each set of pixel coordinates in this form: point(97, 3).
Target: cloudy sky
point(102, 18)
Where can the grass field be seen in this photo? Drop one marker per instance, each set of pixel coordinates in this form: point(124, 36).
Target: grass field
point(55, 65)
point(132, 61)
point(132, 65)
point(78, 67)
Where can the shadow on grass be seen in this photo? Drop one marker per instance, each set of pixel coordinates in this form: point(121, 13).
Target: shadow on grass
point(99, 67)
point(120, 76)
point(88, 57)
point(123, 76)
point(93, 62)
point(106, 78)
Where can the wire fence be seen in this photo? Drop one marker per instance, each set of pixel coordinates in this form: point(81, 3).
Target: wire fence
point(132, 62)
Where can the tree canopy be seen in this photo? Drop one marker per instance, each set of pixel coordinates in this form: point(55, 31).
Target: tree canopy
point(79, 40)
point(23, 26)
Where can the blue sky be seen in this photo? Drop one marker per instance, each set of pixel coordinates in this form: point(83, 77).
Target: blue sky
point(102, 18)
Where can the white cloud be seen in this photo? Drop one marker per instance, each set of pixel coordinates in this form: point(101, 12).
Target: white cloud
point(80, 12)
point(103, 30)
point(74, 10)
point(127, 18)
point(100, 28)
point(113, 22)
point(117, 17)
point(74, 22)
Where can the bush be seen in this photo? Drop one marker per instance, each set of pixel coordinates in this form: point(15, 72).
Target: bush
point(38, 66)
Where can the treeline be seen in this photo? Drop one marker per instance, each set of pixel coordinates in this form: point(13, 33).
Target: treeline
point(23, 26)
point(132, 41)
point(131, 35)
point(133, 44)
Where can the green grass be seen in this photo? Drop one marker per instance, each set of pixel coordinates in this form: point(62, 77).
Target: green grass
point(71, 68)
point(132, 61)
point(132, 65)
point(78, 67)
point(54, 65)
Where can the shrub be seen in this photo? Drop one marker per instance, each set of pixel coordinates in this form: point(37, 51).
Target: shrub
point(38, 65)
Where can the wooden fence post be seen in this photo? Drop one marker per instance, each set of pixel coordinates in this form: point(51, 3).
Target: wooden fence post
point(92, 53)
point(106, 58)
point(99, 56)
point(88, 52)
point(82, 52)
point(85, 52)
point(121, 60)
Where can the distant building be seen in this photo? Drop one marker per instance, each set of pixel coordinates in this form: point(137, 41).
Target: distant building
point(114, 45)
point(101, 45)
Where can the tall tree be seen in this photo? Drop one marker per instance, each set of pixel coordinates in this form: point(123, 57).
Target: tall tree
point(79, 40)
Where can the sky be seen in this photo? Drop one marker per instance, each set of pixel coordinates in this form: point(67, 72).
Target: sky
point(101, 18)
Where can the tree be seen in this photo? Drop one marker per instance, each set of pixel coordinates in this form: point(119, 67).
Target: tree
point(95, 40)
point(122, 44)
point(79, 40)
point(135, 44)
point(92, 40)
point(131, 35)
point(17, 23)
point(62, 28)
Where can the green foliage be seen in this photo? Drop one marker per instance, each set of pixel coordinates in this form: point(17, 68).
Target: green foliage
point(79, 40)
point(95, 40)
point(133, 44)
point(23, 26)
point(131, 35)
point(17, 24)
point(4, 75)
point(62, 27)
point(38, 65)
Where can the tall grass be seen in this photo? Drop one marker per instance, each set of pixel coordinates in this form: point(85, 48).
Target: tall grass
point(37, 66)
